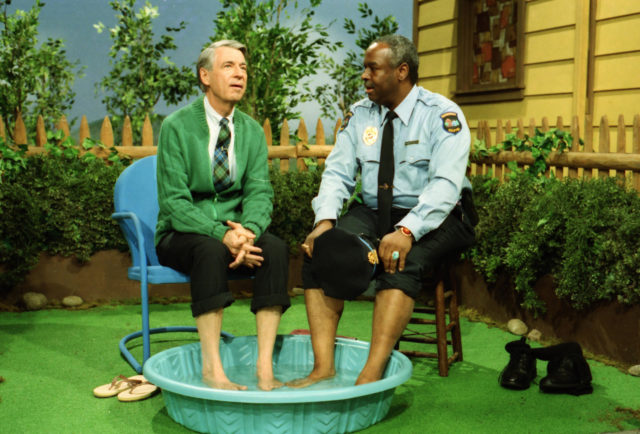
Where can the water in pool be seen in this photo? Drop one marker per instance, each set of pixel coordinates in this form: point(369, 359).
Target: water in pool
point(246, 375)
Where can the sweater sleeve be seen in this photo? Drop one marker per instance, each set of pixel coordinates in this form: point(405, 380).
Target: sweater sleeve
point(257, 203)
point(174, 195)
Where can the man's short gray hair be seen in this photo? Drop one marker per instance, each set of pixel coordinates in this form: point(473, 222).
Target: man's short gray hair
point(402, 51)
point(208, 55)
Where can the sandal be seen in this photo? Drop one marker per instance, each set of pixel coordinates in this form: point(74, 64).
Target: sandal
point(117, 385)
point(141, 390)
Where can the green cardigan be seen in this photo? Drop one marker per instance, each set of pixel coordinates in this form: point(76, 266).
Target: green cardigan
point(188, 202)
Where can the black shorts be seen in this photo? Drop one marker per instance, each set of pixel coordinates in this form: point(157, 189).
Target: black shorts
point(451, 238)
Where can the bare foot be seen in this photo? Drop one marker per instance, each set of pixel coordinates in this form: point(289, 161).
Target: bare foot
point(268, 384)
point(309, 380)
point(362, 379)
point(224, 384)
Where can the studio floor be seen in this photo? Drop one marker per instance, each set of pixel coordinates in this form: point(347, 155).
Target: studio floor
point(50, 361)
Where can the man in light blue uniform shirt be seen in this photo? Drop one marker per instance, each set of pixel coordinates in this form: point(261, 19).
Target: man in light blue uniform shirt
point(427, 223)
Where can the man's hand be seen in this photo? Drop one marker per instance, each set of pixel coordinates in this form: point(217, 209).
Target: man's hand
point(239, 240)
point(321, 227)
point(394, 242)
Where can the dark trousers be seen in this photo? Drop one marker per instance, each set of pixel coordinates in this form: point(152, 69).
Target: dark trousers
point(452, 237)
point(206, 260)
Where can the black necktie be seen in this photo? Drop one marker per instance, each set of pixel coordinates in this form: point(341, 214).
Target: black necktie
point(385, 176)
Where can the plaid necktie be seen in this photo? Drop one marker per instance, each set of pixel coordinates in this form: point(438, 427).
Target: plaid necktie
point(385, 176)
point(221, 175)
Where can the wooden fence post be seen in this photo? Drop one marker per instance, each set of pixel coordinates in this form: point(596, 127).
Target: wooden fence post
point(41, 133)
point(575, 133)
point(64, 127)
point(336, 129)
point(320, 139)
point(284, 141)
point(266, 127)
point(106, 132)
point(588, 143)
point(621, 140)
point(303, 137)
point(20, 131)
point(84, 130)
point(603, 143)
point(127, 133)
point(3, 134)
point(499, 139)
point(147, 132)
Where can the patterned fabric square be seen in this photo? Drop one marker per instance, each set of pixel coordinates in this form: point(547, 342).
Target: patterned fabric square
point(221, 174)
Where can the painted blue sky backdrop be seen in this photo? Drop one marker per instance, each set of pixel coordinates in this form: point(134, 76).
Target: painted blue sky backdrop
point(73, 20)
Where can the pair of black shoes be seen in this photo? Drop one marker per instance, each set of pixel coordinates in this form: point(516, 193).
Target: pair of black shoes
point(567, 370)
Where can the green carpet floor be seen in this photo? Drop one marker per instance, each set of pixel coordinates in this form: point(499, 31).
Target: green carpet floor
point(51, 360)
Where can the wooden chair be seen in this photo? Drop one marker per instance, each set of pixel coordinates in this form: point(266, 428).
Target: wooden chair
point(430, 325)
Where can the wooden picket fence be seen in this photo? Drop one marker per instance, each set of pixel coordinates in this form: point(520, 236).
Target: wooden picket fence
point(577, 162)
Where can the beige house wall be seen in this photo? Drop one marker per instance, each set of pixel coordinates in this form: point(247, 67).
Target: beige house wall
point(580, 57)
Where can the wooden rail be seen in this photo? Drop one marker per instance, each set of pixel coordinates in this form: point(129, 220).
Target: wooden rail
point(622, 157)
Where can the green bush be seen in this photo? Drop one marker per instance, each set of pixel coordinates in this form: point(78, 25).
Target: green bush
point(585, 233)
point(293, 216)
point(57, 203)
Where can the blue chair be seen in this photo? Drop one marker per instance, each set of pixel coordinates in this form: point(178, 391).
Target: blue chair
point(135, 199)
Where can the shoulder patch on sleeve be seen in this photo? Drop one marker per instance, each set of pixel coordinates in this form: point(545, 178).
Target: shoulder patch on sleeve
point(345, 122)
point(450, 122)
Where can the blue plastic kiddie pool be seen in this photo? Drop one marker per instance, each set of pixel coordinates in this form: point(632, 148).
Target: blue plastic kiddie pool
point(332, 406)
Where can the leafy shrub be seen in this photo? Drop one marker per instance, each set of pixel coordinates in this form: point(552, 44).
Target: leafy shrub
point(586, 233)
point(293, 216)
point(59, 203)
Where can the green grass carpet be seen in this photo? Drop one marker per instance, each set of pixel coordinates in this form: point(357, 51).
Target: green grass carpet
point(51, 360)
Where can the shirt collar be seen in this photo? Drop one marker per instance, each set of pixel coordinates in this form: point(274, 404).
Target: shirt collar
point(213, 115)
point(405, 108)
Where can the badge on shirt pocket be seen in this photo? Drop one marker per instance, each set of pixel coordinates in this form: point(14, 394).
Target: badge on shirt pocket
point(370, 135)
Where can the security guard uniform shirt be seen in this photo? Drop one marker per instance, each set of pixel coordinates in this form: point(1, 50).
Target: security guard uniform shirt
point(431, 150)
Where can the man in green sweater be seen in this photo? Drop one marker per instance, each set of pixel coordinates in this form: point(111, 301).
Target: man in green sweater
point(215, 205)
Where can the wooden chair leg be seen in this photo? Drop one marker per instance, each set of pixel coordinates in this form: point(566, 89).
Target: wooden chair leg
point(454, 316)
point(441, 330)
point(446, 289)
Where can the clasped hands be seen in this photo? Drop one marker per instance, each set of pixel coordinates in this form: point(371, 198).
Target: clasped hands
point(239, 240)
point(392, 242)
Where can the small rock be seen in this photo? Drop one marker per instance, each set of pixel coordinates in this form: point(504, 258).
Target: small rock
point(517, 327)
point(634, 370)
point(34, 300)
point(72, 301)
point(534, 335)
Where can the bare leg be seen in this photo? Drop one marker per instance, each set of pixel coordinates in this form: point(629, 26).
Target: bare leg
point(323, 314)
point(267, 321)
point(209, 327)
point(391, 314)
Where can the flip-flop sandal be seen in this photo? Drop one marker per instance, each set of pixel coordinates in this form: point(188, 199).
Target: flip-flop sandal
point(139, 391)
point(117, 385)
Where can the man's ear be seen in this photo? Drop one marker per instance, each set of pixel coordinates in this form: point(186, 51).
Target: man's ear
point(204, 76)
point(402, 72)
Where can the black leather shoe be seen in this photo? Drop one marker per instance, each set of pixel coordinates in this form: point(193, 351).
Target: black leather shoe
point(521, 369)
point(567, 371)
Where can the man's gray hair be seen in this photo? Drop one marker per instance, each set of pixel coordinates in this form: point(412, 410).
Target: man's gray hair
point(402, 51)
point(208, 55)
